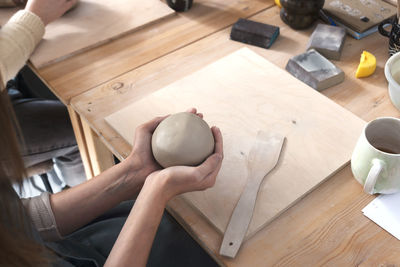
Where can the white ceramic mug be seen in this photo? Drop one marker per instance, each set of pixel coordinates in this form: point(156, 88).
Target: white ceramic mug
point(375, 162)
point(392, 73)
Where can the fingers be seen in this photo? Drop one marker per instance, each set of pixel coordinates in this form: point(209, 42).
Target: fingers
point(218, 141)
point(186, 179)
point(215, 165)
point(152, 125)
point(143, 132)
point(194, 111)
point(213, 175)
point(208, 166)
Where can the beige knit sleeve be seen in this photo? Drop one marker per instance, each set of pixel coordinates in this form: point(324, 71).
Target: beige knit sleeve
point(18, 38)
point(42, 217)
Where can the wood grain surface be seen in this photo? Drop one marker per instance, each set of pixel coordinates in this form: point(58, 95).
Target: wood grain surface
point(241, 95)
point(84, 71)
point(91, 23)
point(367, 97)
point(326, 228)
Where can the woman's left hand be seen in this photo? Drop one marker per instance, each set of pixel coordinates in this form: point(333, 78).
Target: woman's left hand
point(49, 10)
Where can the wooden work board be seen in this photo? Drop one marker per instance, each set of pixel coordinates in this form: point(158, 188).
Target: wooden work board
point(243, 93)
point(91, 23)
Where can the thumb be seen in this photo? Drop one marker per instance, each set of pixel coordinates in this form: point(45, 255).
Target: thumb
point(210, 164)
point(152, 125)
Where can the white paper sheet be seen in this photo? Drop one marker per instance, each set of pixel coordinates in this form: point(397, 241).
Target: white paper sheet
point(385, 211)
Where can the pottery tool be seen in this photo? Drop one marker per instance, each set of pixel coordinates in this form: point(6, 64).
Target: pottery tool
point(262, 159)
point(315, 70)
point(327, 40)
point(254, 33)
point(367, 65)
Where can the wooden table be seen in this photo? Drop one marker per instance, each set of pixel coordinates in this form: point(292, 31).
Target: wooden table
point(326, 227)
point(75, 75)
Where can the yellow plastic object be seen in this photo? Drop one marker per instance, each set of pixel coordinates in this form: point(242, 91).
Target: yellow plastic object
point(367, 65)
point(278, 3)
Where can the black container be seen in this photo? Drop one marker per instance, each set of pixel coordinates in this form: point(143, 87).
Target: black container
point(300, 14)
point(180, 5)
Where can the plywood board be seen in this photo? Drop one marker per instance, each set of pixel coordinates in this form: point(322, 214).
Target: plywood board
point(91, 23)
point(243, 93)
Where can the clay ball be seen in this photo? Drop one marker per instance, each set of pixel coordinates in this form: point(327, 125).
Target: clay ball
point(182, 139)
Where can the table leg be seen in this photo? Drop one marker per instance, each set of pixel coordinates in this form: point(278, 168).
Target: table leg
point(81, 141)
point(99, 155)
point(95, 155)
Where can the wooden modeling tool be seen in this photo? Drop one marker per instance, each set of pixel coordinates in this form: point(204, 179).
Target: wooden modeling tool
point(262, 158)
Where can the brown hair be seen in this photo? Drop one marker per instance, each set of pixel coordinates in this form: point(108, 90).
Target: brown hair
point(17, 248)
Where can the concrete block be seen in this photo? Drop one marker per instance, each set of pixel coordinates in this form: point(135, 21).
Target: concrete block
point(327, 40)
point(315, 70)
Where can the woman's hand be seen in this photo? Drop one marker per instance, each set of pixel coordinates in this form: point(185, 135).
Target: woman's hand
point(141, 157)
point(137, 235)
point(176, 180)
point(49, 10)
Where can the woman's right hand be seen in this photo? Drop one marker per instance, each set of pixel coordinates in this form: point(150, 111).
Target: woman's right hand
point(49, 10)
point(176, 180)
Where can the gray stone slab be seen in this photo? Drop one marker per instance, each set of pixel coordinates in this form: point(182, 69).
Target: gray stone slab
point(315, 70)
point(327, 40)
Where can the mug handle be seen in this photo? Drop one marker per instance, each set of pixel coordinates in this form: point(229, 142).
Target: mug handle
point(381, 28)
point(369, 185)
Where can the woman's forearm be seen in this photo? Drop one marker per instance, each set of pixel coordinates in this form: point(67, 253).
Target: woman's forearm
point(133, 245)
point(79, 205)
point(18, 38)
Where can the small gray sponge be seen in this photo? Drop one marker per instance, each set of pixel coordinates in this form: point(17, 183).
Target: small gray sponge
point(327, 40)
point(315, 70)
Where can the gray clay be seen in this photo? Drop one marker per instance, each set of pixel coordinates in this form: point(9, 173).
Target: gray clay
point(182, 139)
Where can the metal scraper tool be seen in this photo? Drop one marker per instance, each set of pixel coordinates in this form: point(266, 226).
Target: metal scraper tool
point(262, 158)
